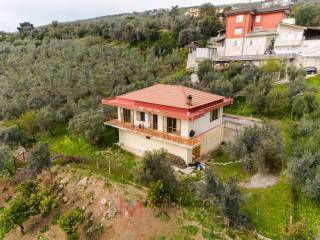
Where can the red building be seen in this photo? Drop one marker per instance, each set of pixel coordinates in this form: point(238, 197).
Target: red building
point(243, 25)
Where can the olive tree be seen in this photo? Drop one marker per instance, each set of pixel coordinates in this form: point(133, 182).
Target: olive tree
point(7, 165)
point(156, 166)
point(90, 125)
point(259, 146)
point(39, 159)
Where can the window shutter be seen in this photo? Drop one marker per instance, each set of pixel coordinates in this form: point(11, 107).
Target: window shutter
point(151, 119)
point(131, 116)
point(178, 127)
point(121, 115)
point(165, 124)
point(138, 115)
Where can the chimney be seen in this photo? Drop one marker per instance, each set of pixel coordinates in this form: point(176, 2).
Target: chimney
point(189, 100)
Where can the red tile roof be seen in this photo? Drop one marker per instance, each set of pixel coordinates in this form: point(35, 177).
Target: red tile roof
point(169, 100)
point(171, 95)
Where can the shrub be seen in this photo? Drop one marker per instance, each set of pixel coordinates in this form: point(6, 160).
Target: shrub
point(39, 159)
point(156, 193)
point(12, 136)
point(156, 166)
point(7, 165)
point(70, 221)
point(259, 147)
point(90, 125)
point(305, 173)
point(226, 196)
point(92, 228)
point(297, 231)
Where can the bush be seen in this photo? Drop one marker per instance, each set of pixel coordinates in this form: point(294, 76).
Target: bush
point(92, 228)
point(226, 197)
point(259, 147)
point(305, 173)
point(90, 125)
point(297, 231)
point(156, 193)
point(70, 221)
point(39, 159)
point(12, 136)
point(7, 165)
point(156, 165)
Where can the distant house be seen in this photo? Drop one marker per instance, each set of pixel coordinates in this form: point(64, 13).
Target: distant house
point(271, 3)
point(192, 12)
point(186, 122)
point(258, 34)
point(252, 31)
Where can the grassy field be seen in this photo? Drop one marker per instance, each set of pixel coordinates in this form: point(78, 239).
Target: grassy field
point(269, 209)
point(95, 160)
point(314, 82)
point(225, 172)
point(306, 209)
point(239, 107)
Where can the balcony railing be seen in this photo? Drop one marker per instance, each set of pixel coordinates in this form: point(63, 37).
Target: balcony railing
point(154, 133)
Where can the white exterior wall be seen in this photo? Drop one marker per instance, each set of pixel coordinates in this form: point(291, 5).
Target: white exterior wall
point(139, 144)
point(291, 40)
point(232, 50)
point(185, 128)
point(212, 139)
point(210, 133)
point(307, 62)
point(258, 47)
point(203, 124)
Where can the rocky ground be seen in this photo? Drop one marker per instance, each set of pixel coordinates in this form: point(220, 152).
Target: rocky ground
point(119, 208)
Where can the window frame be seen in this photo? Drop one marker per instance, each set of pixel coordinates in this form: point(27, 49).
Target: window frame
point(239, 18)
point(258, 17)
point(214, 115)
point(238, 32)
point(155, 122)
point(126, 115)
point(142, 116)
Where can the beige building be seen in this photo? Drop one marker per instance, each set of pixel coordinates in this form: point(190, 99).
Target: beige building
point(184, 121)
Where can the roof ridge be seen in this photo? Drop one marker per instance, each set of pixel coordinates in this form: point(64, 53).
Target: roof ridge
point(184, 93)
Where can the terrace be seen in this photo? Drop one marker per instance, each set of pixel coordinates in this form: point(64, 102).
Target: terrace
point(150, 133)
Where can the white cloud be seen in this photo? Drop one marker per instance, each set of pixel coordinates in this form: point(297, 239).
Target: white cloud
point(40, 12)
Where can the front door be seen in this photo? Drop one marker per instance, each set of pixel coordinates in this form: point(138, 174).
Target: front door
point(196, 152)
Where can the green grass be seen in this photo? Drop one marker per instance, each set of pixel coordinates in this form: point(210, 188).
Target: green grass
point(314, 82)
point(239, 107)
point(122, 163)
point(269, 209)
point(305, 208)
point(234, 170)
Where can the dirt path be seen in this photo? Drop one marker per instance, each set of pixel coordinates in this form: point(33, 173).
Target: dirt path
point(260, 180)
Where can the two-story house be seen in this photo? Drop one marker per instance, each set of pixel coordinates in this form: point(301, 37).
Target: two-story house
point(184, 121)
point(252, 31)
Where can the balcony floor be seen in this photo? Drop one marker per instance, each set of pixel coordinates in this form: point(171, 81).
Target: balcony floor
point(153, 133)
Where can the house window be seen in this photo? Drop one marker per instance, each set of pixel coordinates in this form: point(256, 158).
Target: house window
point(251, 43)
point(235, 43)
point(126, 115)
point(214, 115)
point(258, 18)
point(239, 18)
point(142, 116)
point(257, 29)
point(155, 122)
point(238, 31)
point(171, 125)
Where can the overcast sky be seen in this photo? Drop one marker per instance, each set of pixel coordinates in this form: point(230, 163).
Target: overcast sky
point(40, 12)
